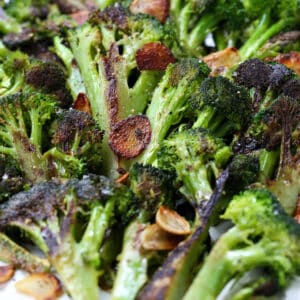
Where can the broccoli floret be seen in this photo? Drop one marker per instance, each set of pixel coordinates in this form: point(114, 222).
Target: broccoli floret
point(23, 123)
point(105, 50)
point(243, 171)
point(223, 108)
point(174, 276)
point(76, 135)
point(263, 235)
point(169, 101)
point(49, 78)
point(19, 257)
point(152, 187)
point(13, 65)
point(27, 10)
point(49, 213)
point(22, 118)
point(198, 158)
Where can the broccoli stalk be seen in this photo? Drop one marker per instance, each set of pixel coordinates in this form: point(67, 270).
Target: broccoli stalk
point(194, 20)
point(74, 79)
point(19, 257)
point(258, 239)
point(276, 16)
point(49, 214)
point(23, 118)
point(12, 70)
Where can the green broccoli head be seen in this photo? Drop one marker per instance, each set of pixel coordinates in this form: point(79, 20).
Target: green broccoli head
point(243, 171)
point(27, 10)
point(197, 157)
point(49, 77)
point(263, 236)
point(227, 107)
point(169, 103)
point(13, 65)
point(76, 132)
point(22, 120)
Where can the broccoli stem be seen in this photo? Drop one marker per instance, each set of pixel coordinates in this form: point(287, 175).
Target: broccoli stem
point(223, 263)
point(259, 30)
point(8, 151)
point(220, 40)
point(249, 49)
point(205, 26)
point(268, 161)
point(12, 253)
point(95, 232)
point(74, 79)
point(132, 269)
point(163, 112)
point(196, 183)
point(30, 159)
point(83, 43)
point(36, 128)
point(142, 90)
point(208, 119)
point(79, 278)
point(183, 25)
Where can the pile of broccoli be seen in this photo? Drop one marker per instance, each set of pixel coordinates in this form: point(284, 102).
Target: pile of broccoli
point(121, 122)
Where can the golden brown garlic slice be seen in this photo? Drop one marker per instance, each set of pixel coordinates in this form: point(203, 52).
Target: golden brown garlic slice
point(155, 238)
point(170, 221)
point(6, 273)
point(221, 61)
point(40, 286)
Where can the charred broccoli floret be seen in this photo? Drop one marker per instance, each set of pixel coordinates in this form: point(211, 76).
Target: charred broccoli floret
point(115, 85)
point(223, 108)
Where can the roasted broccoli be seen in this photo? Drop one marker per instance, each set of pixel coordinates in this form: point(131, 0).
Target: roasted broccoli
point(170, 100)
point(152, 187)
point(222, 107)
point(113, 88)
point(263, 236)
point(198, 158)
point(50, 213)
